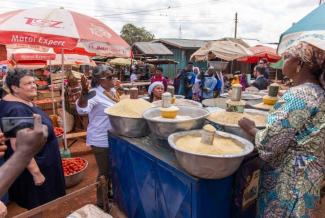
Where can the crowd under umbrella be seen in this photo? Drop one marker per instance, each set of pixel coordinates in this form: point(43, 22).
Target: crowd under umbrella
point(61, 29)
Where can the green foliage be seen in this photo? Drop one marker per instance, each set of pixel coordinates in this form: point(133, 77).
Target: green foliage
point(131, 34)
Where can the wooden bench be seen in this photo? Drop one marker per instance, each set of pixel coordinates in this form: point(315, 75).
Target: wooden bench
point(102, 184)
point(75, 136)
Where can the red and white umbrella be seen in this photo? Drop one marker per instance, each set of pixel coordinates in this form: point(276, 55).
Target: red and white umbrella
point(60, 28)
point(260, 51)
point(26, 54)
point(70, 59)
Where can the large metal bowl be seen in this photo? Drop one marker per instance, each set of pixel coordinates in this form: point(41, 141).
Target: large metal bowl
point(162, 129)
point(129, 127)
point(179, 96)
point(181, 102)
point(75, 178)
point(237, 130)
point(215, 102)
point(147, 98)
point(209, 166)
point(245, 96)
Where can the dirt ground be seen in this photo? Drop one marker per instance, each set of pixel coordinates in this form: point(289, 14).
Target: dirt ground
point(66, 208)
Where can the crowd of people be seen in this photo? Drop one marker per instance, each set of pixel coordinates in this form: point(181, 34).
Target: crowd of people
point(290, 147)
point(196, 85)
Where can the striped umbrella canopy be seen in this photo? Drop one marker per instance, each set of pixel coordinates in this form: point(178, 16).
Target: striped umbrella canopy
point(310, 28)
point(60, 28)
point(223, 49)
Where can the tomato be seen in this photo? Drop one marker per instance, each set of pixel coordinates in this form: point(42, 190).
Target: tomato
point(72, 165)
point(58, 131)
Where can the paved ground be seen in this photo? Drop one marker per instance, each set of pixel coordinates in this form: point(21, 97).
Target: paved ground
point(79, 149)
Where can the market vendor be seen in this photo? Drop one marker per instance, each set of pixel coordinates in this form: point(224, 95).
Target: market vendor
point(43, 180)
point(292, 144)
point(155, 91)
point(106, 96)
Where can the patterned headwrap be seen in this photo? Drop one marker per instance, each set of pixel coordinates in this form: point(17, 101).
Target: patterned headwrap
point(308, 54)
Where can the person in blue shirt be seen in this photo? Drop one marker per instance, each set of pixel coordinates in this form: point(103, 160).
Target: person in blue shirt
point(209, 84)
point(186, 81)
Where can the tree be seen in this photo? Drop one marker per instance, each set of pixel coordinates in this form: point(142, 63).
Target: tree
point(131, 34)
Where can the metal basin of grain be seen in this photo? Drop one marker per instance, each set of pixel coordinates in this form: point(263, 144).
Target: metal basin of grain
point(161, 129)
point(180, 102)
point(210, 166)
point(233, 127)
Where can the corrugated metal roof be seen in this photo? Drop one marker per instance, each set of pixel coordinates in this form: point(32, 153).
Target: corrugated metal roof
point(149, 48)
point(184, 43)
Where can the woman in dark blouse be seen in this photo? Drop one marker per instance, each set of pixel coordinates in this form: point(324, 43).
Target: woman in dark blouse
point(43, 179)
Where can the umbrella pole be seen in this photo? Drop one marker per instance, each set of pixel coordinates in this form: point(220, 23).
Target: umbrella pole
point(66, 153)
point(52, 89)
point(231, 66)
point(276, 75)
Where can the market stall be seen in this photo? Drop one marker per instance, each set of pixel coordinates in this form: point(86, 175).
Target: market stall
point(149, 182)
point(259, 52)
point(153, 177)
point(171, 65)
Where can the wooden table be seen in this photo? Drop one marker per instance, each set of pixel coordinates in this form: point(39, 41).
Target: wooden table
point(136, 84)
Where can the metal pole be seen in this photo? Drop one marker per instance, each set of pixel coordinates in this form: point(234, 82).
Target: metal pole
point(276, 75)
point(52, 88)
point(63, 105)
point(236, 22)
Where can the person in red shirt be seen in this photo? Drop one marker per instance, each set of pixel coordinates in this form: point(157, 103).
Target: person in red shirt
point(159, 77)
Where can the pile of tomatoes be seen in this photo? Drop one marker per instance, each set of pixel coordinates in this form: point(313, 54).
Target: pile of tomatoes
point(58, 131)
point(72, 165)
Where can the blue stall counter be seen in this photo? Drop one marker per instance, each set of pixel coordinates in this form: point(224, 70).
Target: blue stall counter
point(148, 182)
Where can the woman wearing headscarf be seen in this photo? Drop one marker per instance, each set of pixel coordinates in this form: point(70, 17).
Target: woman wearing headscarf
point(292, 144)
point(197, 87)
point(155, 91)
point(106, 96)
point(159, 77)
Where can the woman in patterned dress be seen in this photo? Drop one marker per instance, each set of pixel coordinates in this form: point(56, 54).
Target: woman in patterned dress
point(292, 146)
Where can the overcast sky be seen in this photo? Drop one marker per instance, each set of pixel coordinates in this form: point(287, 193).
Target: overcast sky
point(192, 19)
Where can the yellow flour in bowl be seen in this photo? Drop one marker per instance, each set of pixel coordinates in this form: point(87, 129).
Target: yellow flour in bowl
point(232, 118)
point(221, 145)
point(130, 108)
